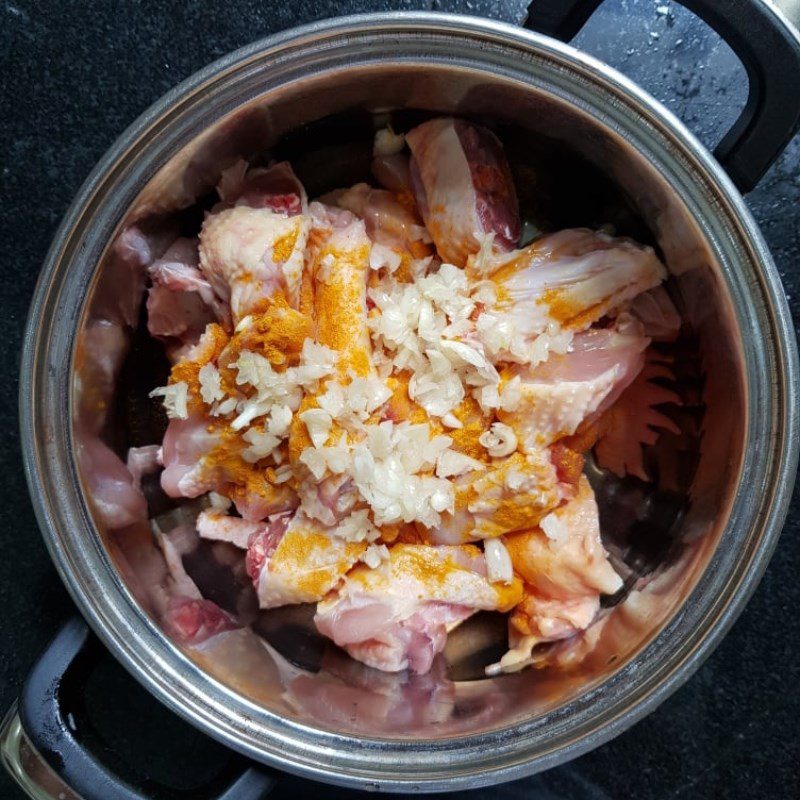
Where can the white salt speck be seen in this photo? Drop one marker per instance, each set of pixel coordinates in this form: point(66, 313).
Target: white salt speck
point(662, 11)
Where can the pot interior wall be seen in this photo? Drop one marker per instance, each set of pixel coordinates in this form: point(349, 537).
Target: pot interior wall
point(570, 170)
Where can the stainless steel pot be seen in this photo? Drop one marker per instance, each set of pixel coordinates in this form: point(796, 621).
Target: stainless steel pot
point(733, 485)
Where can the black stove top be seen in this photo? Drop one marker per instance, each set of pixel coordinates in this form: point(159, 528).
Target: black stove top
point(74, 76)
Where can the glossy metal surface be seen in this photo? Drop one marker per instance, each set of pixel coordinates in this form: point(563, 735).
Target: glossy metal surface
point(791, 10)
point(733, 490)
point(26, 766)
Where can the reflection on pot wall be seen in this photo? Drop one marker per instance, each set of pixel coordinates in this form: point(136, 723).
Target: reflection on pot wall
point(661, 534)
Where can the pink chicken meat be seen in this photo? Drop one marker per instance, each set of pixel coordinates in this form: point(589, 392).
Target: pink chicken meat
point(463, 187)
point(397, 615)
point(180, 301)
point(275, 188)
point(256, 248)
point(568, 390)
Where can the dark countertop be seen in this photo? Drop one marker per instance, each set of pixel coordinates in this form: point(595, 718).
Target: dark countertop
point(75, 74)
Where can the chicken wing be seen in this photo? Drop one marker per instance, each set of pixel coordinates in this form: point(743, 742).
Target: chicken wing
point(566, 390)
point(559, 285)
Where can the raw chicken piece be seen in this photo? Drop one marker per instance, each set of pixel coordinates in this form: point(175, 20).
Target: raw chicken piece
point(387, 221)
point(565, 569)
point(564, 558)
point(100, 351)
point(203, 452)
point(256, 497)
point(103, 340)
point(199, 458)
point(192, 621)
point(409, 643)
point(186, 444)
point(188, 441)
point(538, 620)
point(513, 494)
point(108, 484)
point(397, 615)
point(330, 500)
point(326, 218)
point(263, 543)
point(567, 280)
point(340, 263)
point(340, 270)
point(566, 390)
point(299, 562)
point(143, 461)
point(218, 526)
point(277, 332)
point(463, 187)
point(546, 619)
point(275, 188)
point(142, 566)
point(119, 295)
point(181, 302)
point(186, 617)
point(250, 254)
point(175, 544)
point(231, 181)
point(390, 162)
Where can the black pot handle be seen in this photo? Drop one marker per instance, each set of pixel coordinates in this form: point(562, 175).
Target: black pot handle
point(768, 48)
point(62, 669)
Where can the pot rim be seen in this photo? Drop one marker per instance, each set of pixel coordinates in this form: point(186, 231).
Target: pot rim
point(183, 693)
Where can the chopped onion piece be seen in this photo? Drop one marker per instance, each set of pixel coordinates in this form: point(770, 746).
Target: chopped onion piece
point(176, 396)
point(387, 142)
point(318, 423)
point(499, 441)
point(498, 562)
point(219, 501)
point(374, 555)
point(451, 463)
point(554, 528)
point(210, 386)
point(357, 528)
